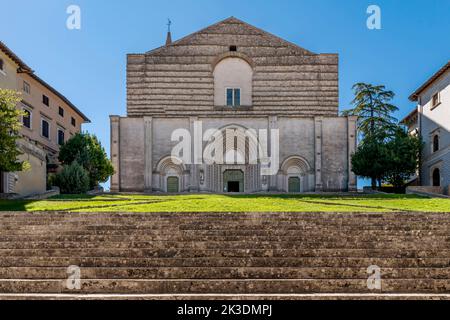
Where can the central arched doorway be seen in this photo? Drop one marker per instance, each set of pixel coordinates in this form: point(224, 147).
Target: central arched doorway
point(233, 181)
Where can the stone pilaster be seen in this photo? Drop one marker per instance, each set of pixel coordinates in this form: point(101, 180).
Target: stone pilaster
point(115, 153)
point(148, 145)
point(318, 152)
point(273, 124)
point(352, 141)
point(193, 183)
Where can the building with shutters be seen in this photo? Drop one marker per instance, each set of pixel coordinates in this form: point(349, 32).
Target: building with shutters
point(236, 79)
point(431, 120)
point(49, 120)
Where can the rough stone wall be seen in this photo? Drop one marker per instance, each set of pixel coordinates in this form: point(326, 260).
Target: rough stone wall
point(131, 158)
point(334, 154)
point(178, 79)
point(162, 130)
point(328, 160)
point(297, 138)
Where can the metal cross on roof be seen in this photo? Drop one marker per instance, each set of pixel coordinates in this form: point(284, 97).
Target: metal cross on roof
point(169, 23)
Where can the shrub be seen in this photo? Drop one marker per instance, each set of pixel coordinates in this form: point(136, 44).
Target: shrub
point(72, 179)
point(87, 150)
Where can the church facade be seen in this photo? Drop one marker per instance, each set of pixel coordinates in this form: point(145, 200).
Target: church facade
point(237, 80)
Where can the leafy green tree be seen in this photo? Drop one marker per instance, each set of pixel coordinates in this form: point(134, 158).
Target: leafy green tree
point(87, 150)
point(10, 125)
point(73, 179)
point(375, 122)
point(371, 106)
point(402, 157)
point(371, 158)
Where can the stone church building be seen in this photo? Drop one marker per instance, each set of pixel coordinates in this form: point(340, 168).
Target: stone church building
point(233, 76)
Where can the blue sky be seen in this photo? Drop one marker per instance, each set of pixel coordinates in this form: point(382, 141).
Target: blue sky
point(88, 65)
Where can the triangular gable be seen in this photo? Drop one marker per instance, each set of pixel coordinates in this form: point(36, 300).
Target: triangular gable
point(235, 26)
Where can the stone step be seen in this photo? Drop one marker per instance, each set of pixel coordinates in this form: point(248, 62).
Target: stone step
point(232, 229)
point(129, 222)
point(225, 286)
point(233, 297)
point(321, 235)
point(315, 217)
point(306, 214)
point(361, 262)
point(182, 236)
point(79, 218)
point(217, 253)
point(252, 243)
point(224, 253)
point(221, 273)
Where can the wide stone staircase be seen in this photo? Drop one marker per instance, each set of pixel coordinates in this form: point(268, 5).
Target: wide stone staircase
point(224, 255)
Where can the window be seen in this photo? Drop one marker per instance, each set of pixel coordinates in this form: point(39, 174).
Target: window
point(60, 137)
point(1, 65)
point(233, 48)
point(61, 111)
point(72, 120)
point(45, 129)
point(233, 82)
point(26, 87)
point(26, 118)
point(435, 143)
point(435, 100)
point(233, 97)
point(436, 178)
point(45, 100)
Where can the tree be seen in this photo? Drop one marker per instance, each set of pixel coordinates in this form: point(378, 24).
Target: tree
point(403, 157)
point(73, 179)
point(87, 150)
point(371, 158)
point(10, 125)
point(375, 122)
point(372, 107)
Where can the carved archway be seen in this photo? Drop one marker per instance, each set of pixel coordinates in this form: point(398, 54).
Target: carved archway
point(167, 169)
point(296, 169)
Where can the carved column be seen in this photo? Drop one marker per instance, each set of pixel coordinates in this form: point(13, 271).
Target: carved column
point(115, 153)
point(148, 145)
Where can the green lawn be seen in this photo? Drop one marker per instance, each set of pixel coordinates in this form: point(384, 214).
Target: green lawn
point(230, 203)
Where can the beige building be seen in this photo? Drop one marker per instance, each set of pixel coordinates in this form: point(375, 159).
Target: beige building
point(49, 120)
point(431, 119)
point(232, 77)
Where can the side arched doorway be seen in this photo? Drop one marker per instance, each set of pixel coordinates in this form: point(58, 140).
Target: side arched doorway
point(296, 174)
point(173, 184)
point(233, 181)
point(436, 177)
point(170, 175)
point(294, 184)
